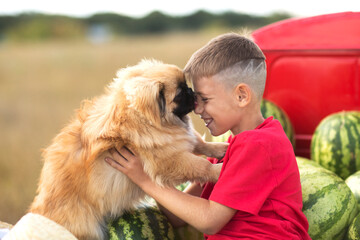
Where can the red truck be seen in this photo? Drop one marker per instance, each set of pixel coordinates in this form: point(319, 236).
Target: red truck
point(313, 67)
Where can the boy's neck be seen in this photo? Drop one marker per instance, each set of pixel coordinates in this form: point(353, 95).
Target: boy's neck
point(249, 122)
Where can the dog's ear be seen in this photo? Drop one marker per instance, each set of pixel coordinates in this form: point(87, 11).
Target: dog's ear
point(147, 97)
point(162, 102)
point(101, 120)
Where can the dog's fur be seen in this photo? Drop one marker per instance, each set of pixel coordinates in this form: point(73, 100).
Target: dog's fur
point(143, 109)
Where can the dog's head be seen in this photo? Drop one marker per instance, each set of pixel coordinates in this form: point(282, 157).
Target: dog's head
point(157, 91)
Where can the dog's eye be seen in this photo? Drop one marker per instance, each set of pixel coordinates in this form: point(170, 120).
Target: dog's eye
point(178, 91)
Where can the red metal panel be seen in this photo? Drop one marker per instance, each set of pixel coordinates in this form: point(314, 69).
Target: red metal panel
point(313, 69)
point(332, 31)
point(310, 86)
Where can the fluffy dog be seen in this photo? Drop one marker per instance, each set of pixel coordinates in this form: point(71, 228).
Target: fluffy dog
point(145, 109)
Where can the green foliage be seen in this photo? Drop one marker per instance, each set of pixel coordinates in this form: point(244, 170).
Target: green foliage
point(35, 26)
point(117, 23)
point(27, 27)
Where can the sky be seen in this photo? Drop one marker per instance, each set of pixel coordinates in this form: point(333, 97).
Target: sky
point(140, 8)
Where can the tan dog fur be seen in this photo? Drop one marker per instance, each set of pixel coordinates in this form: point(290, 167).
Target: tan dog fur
point(79, 190)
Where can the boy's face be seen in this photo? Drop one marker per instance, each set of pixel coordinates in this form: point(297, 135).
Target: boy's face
point(217, 106)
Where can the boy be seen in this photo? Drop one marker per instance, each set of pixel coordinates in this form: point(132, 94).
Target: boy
point(258, 194)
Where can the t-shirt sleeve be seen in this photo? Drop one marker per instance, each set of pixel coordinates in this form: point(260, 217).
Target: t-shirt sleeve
point(247, 178)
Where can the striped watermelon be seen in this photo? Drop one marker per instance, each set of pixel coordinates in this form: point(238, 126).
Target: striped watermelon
point(268, 109)
point(271, 109)
point(328, 203)
point(335, 144)
point(354, 229)
point(188, 233)
point(353, 181)
point(183, 186)
point(143, 223)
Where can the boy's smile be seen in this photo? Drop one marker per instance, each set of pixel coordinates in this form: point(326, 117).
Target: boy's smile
point(207, 121)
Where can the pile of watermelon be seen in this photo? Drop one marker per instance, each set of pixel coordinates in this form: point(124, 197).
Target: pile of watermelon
point(328, 202)
point(330, 183)
point(335, 147)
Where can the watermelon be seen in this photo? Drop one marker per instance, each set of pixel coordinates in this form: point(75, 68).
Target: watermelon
point(328, 202)
point(354, 229)
point(183, 186)
point(144, 223)
point(268, 109)
point(353, 181)
point(188, 233)
point(335, 144)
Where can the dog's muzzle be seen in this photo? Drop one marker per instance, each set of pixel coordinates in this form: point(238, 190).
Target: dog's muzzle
point(186, 102)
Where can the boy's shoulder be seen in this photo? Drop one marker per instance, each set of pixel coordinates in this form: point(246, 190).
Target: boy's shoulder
point(268, 133)
point(270, 128)
point(270, 140)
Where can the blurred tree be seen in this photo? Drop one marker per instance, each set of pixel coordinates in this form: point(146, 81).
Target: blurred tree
point(30, 27)
point(197, 20)
point(35, 26)
point(5, 23)
point(118, 24)
point(155, 22)
point(277, 16)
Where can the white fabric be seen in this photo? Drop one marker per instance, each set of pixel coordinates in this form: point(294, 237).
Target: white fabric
point(3, 232)
point(36, 227)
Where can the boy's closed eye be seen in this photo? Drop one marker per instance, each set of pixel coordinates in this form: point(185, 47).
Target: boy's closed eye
point(201, 98)
point(204, 99)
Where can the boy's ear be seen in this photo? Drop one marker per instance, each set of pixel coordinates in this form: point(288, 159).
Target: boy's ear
point(243, 94)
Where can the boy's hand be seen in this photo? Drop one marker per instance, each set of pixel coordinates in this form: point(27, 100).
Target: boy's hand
point(129, 164)
point(205, 215)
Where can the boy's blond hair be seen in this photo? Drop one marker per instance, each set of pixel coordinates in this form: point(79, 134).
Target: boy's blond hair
point(231, 59)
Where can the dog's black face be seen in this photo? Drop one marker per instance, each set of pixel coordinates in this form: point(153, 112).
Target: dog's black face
point(185, 100)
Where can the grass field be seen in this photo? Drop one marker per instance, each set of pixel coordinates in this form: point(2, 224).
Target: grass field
point(41, 84)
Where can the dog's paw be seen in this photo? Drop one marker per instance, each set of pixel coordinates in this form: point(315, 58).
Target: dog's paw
point(215, 172)
point(218, 149)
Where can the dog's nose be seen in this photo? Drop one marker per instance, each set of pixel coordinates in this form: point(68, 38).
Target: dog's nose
point(192, 97)
point(190, 91)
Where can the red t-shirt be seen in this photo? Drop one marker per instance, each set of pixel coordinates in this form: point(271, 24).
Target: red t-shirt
point(261, 180)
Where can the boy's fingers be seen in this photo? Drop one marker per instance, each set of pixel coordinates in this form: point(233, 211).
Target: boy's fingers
point(117, 156)
point(121, 153)
point(114, 163)
point(125, 153)
point(129, 150)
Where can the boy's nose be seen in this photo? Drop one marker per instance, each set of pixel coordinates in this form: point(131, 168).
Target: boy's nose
point(198, 107)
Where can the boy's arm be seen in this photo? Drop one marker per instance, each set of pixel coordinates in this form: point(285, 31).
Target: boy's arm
point(193, 189)
point(205, 215)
